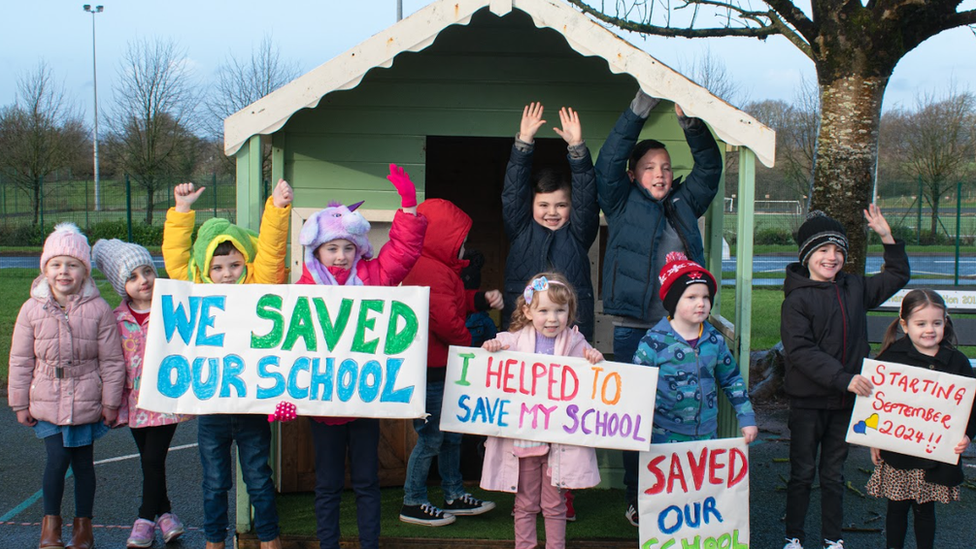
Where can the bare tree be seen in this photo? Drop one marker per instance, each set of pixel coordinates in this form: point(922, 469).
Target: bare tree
point(796, 125)
point(854, 47)
point(710, 72)
point(240, 82)
point(934, 142)
point(42, 132)
point(153, 121)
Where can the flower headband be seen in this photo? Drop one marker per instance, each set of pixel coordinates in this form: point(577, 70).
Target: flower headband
point(540, 284)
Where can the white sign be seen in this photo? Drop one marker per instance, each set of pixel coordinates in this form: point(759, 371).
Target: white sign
point(954, 299)
point(695, 494)
point(356, 351)
point(912, 411)
point(549, 398)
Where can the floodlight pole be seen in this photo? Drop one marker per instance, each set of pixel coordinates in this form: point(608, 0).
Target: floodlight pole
point(93, 11)
point(399, 10)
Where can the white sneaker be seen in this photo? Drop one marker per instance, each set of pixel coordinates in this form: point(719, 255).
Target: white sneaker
point(792, 544)
point(839, 544)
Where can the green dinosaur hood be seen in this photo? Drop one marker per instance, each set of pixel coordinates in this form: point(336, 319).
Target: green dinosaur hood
point(211, 234)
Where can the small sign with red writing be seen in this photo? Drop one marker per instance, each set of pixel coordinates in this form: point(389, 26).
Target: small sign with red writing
point(912, 411)
point(695, 494)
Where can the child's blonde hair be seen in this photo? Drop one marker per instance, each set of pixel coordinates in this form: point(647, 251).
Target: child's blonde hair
point(560, 292)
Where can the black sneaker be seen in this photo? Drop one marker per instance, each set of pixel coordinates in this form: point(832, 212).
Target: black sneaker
point(467, 505)
point(425, 514)
point(633, 517)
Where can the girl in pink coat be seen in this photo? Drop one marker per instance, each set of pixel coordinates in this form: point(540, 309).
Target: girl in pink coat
point(66, 376)
point(538, 472)
point(132, 273)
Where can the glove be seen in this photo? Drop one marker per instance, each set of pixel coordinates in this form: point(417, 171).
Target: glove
point(643, 104)
point(284, 412)
point(405, 187)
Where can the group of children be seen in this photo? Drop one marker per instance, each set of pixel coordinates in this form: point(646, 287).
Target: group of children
point(75, 365)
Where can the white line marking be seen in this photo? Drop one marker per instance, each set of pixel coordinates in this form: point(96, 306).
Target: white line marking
point(134, 456)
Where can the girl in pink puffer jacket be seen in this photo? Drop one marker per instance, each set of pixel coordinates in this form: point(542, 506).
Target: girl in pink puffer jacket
point(66, 376)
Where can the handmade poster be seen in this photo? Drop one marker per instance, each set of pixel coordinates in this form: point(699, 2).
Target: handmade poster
point(912, 411)
point(549, 398)
point(358, 351)
point(695, 494)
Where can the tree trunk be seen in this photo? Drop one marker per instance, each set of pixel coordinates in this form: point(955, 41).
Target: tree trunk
point(935, 216)
point(847, 150)
point(37, 203)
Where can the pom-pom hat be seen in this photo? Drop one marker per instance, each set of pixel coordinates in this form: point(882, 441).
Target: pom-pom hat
point(820, 229)
point(68, 240)
point(117, 259)
point(678, 273)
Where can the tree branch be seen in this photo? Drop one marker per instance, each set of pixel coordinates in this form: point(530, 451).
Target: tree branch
point(673, 32)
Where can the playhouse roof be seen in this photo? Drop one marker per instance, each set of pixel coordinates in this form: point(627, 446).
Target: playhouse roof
point(417, 32)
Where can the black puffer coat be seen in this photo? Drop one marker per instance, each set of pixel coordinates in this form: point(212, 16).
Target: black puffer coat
point(824, 328)
point(535, 248)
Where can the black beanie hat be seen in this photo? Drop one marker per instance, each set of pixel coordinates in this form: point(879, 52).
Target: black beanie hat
point(677, 274)
point(817, 230)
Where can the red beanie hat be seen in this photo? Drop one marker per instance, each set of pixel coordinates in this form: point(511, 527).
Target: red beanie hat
point(678, 273)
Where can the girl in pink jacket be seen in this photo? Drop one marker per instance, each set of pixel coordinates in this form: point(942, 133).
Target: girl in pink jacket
point(338, 252)
point(538, 472)
point(66, 376)
point(132, 273)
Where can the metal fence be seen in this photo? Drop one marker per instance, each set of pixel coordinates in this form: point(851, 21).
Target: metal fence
point(120, 200)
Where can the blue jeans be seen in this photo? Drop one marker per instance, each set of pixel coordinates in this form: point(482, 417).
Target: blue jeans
point(625, 342)
point(431, 441)
point(362, 438)
point(215, 435)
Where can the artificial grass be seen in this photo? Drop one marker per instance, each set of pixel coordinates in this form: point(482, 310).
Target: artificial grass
point(600, 516)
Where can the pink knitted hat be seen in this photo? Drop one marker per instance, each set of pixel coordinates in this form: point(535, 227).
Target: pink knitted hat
point(67, 239)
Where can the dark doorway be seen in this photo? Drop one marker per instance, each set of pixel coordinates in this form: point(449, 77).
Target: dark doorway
point(470, 172)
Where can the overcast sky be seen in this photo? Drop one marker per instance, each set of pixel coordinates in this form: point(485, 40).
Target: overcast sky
point(310, 32)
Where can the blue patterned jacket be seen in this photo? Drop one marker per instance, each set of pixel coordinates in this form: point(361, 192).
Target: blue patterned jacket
point(689, 377)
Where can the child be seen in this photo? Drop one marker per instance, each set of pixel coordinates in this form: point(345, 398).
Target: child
point(130, 270)
point(439, 268)
point(824, 329)
point(649, 214)
point(541, 324)
point(338, 252)
point(479, 323)
point(224, 253)
point(550, 222)
point(66, 376)
point(908, 481)
point(693, 360)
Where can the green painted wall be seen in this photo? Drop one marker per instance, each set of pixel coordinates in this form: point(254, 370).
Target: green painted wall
point(473, 81)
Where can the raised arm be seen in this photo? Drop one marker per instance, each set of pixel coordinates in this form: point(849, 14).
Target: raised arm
point(701, 186)
point(269, 262)
point(585, 214)
point(517, 190)
point(613, 182)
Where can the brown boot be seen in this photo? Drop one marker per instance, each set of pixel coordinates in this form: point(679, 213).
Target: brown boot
point(273, 544)
point(215, 545)
point(51, 533)
point(81, 534)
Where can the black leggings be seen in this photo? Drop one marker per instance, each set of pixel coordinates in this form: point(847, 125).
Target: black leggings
point(896, 524)
point(82, 462)
point(153, 443)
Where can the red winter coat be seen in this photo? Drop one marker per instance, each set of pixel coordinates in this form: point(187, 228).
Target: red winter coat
point(440, 269)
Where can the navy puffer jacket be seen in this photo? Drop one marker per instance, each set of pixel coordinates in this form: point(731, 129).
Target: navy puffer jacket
point(636, 221)
point(535, 249)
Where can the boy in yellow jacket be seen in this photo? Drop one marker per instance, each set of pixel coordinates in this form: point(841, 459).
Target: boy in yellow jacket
point(225, 253)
